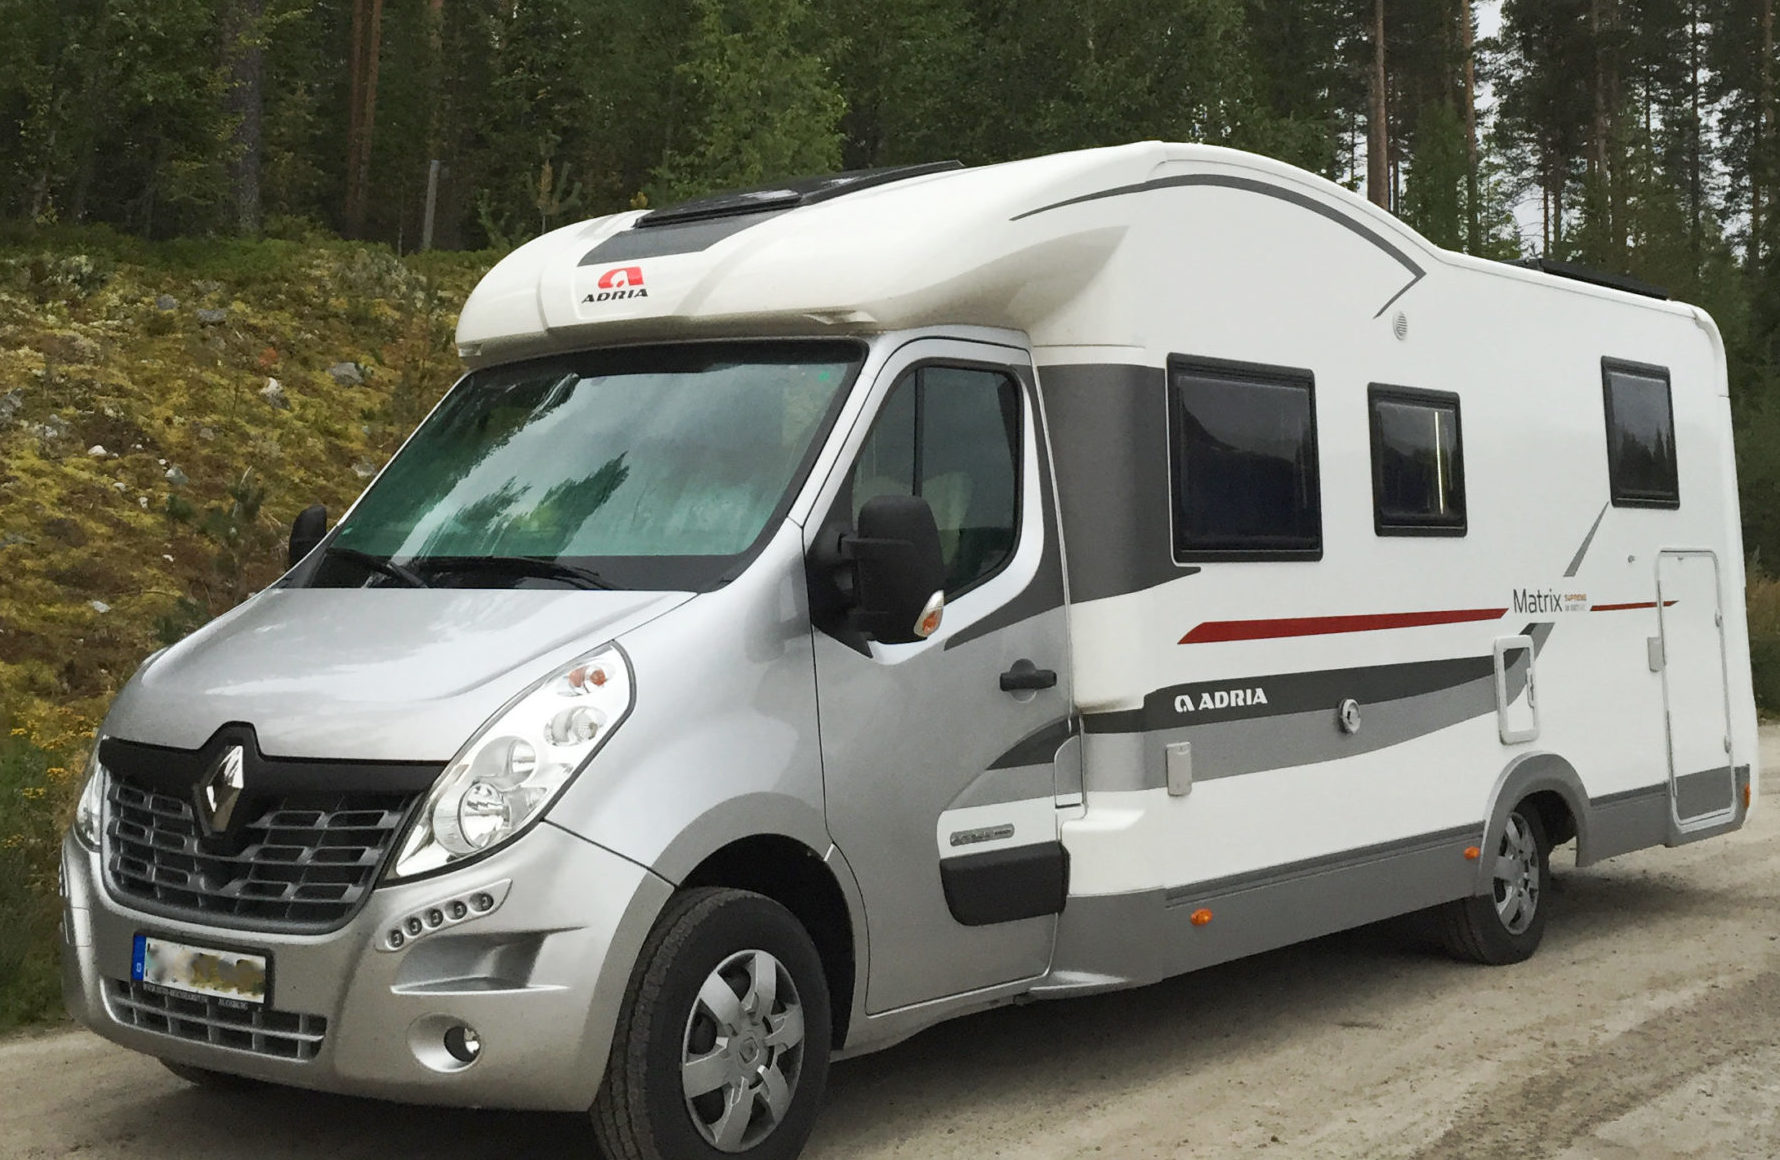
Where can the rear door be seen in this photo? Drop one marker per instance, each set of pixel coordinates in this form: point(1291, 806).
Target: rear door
point(1695, 696)
point(939, 756)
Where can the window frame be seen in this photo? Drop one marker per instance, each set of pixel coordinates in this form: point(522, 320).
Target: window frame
point(1420, 525)
point(1259, 374)
point(843, 501)
point(1609, 366)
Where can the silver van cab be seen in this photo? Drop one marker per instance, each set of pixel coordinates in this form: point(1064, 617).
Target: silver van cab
point(827, 610)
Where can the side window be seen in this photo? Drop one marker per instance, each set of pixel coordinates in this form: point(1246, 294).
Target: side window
point(952, 436)
point(1245, 462)
point(1640, 435)
point(1418, 465)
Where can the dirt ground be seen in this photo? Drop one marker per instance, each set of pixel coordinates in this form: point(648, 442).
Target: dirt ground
point(1647, 1026)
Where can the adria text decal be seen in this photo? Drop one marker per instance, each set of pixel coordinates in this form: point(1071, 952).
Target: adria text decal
point(619, 282)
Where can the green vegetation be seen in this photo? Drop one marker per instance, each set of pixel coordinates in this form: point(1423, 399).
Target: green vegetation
point(165, 411)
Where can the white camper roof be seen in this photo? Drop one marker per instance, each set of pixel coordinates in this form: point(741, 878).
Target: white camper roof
point(1025, 245)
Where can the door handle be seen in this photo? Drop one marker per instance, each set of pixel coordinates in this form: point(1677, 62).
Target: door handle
point(1027, 677)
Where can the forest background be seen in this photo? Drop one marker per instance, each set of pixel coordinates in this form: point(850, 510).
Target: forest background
point(212, 311)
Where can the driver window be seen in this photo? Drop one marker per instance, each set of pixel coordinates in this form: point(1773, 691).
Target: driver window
point(951, 435)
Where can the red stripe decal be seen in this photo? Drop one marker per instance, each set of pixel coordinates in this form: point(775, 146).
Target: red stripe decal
point(1221, 630)
point(1626, 607)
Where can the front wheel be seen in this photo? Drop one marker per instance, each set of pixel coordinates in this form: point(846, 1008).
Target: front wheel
point(722, 1044)
point(1505, 925)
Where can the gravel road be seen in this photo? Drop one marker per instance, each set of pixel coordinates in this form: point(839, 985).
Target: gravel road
point(1647, 1026)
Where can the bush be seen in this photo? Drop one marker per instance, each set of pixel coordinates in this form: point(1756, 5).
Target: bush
point(36, 797)
point(1763, 596)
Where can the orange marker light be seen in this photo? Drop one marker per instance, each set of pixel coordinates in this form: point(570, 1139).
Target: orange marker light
point(1201, 916)
point(1472, 853)
point(1748, 795)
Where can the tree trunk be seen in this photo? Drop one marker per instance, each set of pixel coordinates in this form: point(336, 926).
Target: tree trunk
point(1378, 139)
point(1694, 182)
point(244, 64)
point(1758, 150)
point(367, 55)
point(1473, 211)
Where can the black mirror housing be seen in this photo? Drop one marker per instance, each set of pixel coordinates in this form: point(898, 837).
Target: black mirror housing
point(306, 531)
point(897, 568)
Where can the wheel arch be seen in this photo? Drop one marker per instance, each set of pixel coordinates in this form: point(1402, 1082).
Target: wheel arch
point(798, 878)
point(1549, 784)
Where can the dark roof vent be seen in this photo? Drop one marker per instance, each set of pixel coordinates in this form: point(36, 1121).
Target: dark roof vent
point(787, 194)
point(1594, 277)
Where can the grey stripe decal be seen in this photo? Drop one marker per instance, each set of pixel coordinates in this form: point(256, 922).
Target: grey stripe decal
point(1576, 562)
point(1289, 693)
point(663, 241)
point(1398, 703)
point(1705, 792)
point(1266, 189)
point(1660, 789)
point(1037, 748)
point(1324, 864)
point(1110, 451)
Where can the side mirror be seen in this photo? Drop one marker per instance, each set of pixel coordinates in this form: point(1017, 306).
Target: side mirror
point(308, 530)
point(898, 573)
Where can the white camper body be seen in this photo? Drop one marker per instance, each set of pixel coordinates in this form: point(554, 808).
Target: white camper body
point(825, 611)
point(1562, 646)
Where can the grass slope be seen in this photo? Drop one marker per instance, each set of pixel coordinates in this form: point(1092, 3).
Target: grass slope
point(149, 471)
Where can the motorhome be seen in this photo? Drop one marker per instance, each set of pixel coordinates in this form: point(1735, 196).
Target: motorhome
point(826, 610)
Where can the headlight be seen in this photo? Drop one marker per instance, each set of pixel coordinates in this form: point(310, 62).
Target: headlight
point(89, 815)
point(517, 764)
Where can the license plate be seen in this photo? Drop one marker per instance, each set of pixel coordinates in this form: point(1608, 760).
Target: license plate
point(227, 975)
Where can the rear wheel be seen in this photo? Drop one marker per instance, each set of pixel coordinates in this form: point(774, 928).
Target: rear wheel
point(722, 1045)
point(1505, 925)
point(215, 1081)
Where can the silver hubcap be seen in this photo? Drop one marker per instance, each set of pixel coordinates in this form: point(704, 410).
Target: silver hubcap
point(1517, 875)
point(743, 1051)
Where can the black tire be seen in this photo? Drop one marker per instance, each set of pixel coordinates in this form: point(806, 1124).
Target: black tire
point(212, 1081)
point(642, 1111)
point(1491, 928)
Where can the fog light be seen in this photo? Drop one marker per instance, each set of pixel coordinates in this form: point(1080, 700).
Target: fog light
point(463, 1044)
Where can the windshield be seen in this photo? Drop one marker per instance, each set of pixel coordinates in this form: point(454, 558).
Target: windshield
point(643, 468)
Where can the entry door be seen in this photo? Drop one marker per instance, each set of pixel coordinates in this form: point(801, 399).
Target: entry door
point(1694, 689)
point(940, 782)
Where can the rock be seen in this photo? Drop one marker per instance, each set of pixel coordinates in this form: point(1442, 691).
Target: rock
point(12, 538)
point(54, 427)
point(273, 393)
point(142, 502)
point(212, 317)
point(176, 477)
point(97, 451)
point(206, 433)
point(166, 302)
point(364, 469)
point(348, 374)
point(10, 403)
point(99, 606)
point(121, 485)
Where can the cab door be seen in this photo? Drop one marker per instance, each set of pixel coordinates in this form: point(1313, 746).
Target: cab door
point(939, 756)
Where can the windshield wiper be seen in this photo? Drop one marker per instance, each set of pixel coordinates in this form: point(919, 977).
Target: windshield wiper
point(388, 568)
point(525, 566)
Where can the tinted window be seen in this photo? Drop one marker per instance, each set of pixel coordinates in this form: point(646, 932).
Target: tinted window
point(1245, 466)
point(952, 436)
point(1640, 436)
point(1418, 470)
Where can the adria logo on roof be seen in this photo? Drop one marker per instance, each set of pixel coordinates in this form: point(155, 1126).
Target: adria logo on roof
point(619, 282)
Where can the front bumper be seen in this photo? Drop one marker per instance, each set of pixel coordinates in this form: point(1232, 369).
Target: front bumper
point(540, 978)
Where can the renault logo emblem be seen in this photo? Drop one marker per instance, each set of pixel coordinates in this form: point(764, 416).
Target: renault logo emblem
point(221, 789)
